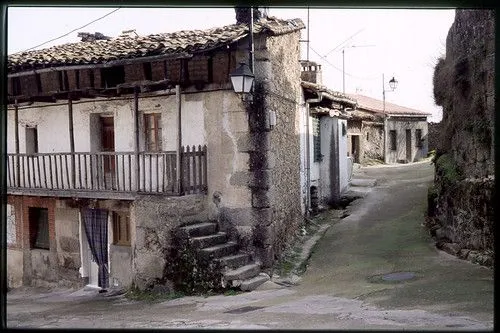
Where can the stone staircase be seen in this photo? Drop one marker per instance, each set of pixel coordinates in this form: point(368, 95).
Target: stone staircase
point(211, 244)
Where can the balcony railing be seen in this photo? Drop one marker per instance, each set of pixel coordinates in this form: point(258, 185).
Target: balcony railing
point(109, 172)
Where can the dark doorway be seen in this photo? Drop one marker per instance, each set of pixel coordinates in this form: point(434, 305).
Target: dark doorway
point(408, 146)
point(355, 148)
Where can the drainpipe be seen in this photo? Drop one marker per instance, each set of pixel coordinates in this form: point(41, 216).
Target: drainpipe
point(308, 152)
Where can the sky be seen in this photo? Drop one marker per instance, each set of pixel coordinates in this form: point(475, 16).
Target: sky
point(376, 43)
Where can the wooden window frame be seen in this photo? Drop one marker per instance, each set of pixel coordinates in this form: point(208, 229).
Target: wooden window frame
point(152, 123)
point(121, 229)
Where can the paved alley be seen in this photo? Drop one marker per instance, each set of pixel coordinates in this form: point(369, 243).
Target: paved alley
point(377, 268)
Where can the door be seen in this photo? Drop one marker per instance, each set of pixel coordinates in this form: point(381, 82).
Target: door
point(90, 266)
point(355, 148)
point(108, 145)
point(408, 146)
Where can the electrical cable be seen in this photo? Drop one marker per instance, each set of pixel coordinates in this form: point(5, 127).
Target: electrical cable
point(100, 18)
point(340, 70)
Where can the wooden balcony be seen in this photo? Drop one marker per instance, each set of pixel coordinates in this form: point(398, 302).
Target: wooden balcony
point(113, 175)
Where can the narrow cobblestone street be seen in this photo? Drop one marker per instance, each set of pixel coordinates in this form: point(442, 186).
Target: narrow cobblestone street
point(377, 268)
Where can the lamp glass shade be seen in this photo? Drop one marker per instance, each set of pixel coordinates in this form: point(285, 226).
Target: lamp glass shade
point(393, 83)
point(242, 79)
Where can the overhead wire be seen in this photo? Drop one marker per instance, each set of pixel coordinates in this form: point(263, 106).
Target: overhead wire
point(342, 71)
point(66, 34)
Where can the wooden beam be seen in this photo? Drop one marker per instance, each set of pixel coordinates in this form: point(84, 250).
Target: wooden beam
point(136, 137)
point(71, 140)
point(16, 133)
point(179, 141)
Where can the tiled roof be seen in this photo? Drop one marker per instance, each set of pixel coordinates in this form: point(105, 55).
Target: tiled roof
point(101, 51)
point(330, 94)
point(375, 105)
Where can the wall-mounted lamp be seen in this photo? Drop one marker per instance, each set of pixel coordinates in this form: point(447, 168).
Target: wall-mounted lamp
point(272, 119)
point(242, 79)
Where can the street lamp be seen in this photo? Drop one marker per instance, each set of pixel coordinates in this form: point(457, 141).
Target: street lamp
point(393, 83)
point(242, 79)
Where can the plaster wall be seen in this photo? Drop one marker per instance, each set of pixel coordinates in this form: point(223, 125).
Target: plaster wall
point(15, 272)
point(400, 125)
point(67, 241)
point(344, 168)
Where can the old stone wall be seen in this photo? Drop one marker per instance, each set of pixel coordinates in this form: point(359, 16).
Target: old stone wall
point(372, 142)
point(283, 90)
point(435, 130)
point(152, 221)
point(462, 196)
point(464, 85)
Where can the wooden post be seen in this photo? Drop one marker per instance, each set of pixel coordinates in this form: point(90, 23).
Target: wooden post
point(71, 142)
point(136, 134)
point(16, 133)
point(179, 141)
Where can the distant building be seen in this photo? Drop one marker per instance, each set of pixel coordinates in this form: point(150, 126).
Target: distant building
point(396, 134)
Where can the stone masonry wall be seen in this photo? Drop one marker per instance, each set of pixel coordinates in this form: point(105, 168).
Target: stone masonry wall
point(282, 89)
point(461, 200)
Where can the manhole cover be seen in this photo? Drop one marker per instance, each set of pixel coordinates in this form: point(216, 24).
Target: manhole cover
point(398, 276)
point(244, 309)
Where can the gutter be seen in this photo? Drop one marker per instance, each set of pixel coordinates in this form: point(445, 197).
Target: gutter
point(308, 151)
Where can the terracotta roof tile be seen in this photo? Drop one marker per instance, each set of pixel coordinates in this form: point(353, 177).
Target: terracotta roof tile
point(123, 47)
point(375, 105)
point(332, 95)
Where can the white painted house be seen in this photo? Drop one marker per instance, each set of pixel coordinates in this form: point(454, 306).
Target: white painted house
point(325, 166)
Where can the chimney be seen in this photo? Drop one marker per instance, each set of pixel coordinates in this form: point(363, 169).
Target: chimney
point(311, 72)
point(243, 14)
point(89, 37)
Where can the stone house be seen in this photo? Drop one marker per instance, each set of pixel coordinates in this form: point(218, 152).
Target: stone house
point(394, 133)
point(116, 144)
point(325, 165)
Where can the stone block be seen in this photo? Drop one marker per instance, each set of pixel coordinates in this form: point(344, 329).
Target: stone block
point(261, 179)
point(263, 216)
point(263, 235)
point(261, 198)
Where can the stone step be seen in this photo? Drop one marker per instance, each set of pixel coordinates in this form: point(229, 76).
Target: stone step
point(252, 283)
point(219, 250)
point(367, 182)
point(197, 230)
point(242, 273)
point(234, 261)
point(210, 240)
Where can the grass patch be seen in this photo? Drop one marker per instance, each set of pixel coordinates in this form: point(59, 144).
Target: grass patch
point(150, 296)
point(233, 292)
point(448, 169)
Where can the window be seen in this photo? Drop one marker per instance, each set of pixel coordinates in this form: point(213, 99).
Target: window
point(316, 139)
point(418, 138)
point(121, 229)
point(152, 126)
point(367, 136)
point(31, 140)
point(39, 228)
point(392, 136)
